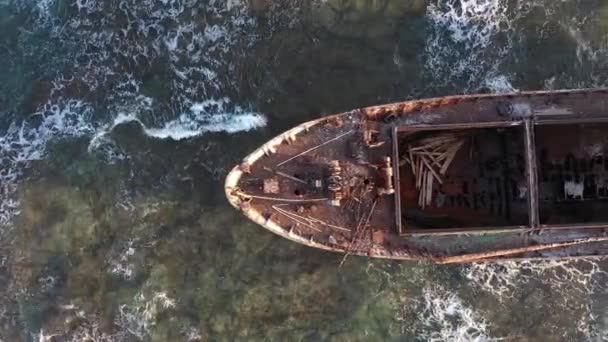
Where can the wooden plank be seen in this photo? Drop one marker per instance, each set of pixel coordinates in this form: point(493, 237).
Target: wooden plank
point(430, 168)
point(428, 145)
point(422, 189)
point(429, 194)
point(531, 169)
point(419, 173)
point(429, 155)
point(411, 160)
point(448, 161)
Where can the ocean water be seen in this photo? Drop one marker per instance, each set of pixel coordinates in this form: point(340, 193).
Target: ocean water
point(120, 119)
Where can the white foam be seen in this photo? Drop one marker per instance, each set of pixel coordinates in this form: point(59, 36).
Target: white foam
point(211, 116)
point(140, 316)
point(471, 39)
point(192, 334)
point(444, 317)
point(462, 44)
point(500, 84)
point(587, 278)
point(87, 329)
point(25, 142)
point(503, 278)
point(198, 51)
point(44, 11)
point(123, 266)
point(214, 33)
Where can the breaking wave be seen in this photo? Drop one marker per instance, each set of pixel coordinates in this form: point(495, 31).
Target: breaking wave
point(26, 142)
point(452, 320)
point(463, 45)
point(478, 44)
point(589, 278)
point(442, 316)
point(208, 116)
point(166, 65)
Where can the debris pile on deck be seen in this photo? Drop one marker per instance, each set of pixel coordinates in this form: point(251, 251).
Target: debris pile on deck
point(430, 159)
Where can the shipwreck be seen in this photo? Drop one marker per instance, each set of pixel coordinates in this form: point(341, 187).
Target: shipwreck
point(453, 179)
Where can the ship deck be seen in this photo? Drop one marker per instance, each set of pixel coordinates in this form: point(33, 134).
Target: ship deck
point(450, 180)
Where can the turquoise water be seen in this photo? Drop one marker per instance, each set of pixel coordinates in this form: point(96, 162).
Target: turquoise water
point(119, 120)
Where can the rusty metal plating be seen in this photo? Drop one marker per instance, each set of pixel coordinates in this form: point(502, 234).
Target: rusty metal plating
point(453, 179)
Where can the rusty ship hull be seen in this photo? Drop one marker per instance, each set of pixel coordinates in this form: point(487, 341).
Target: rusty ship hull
point(455, 179)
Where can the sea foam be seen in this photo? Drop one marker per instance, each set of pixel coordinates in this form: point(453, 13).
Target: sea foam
point(469, 40)
point(106, 62)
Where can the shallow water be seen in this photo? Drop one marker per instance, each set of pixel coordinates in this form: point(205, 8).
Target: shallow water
point(119, 120)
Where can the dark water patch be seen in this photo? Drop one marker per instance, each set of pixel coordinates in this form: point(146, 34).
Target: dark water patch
point(537, 45)
point(309, 70)
point(154, 82)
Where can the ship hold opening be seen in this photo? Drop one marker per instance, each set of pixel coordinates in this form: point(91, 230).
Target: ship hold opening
point(572, 176)
point(463, 178)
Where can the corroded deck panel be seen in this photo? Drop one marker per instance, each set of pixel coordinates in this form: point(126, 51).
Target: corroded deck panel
point(326, 184)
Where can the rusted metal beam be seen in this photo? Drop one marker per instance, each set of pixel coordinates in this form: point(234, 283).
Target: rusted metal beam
point(511, 251)
point(574, 226)
point(569, 121)
point(499, 230)
point(493, 124)
point(465, 230)
point(316, 147)
point(283, 174)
